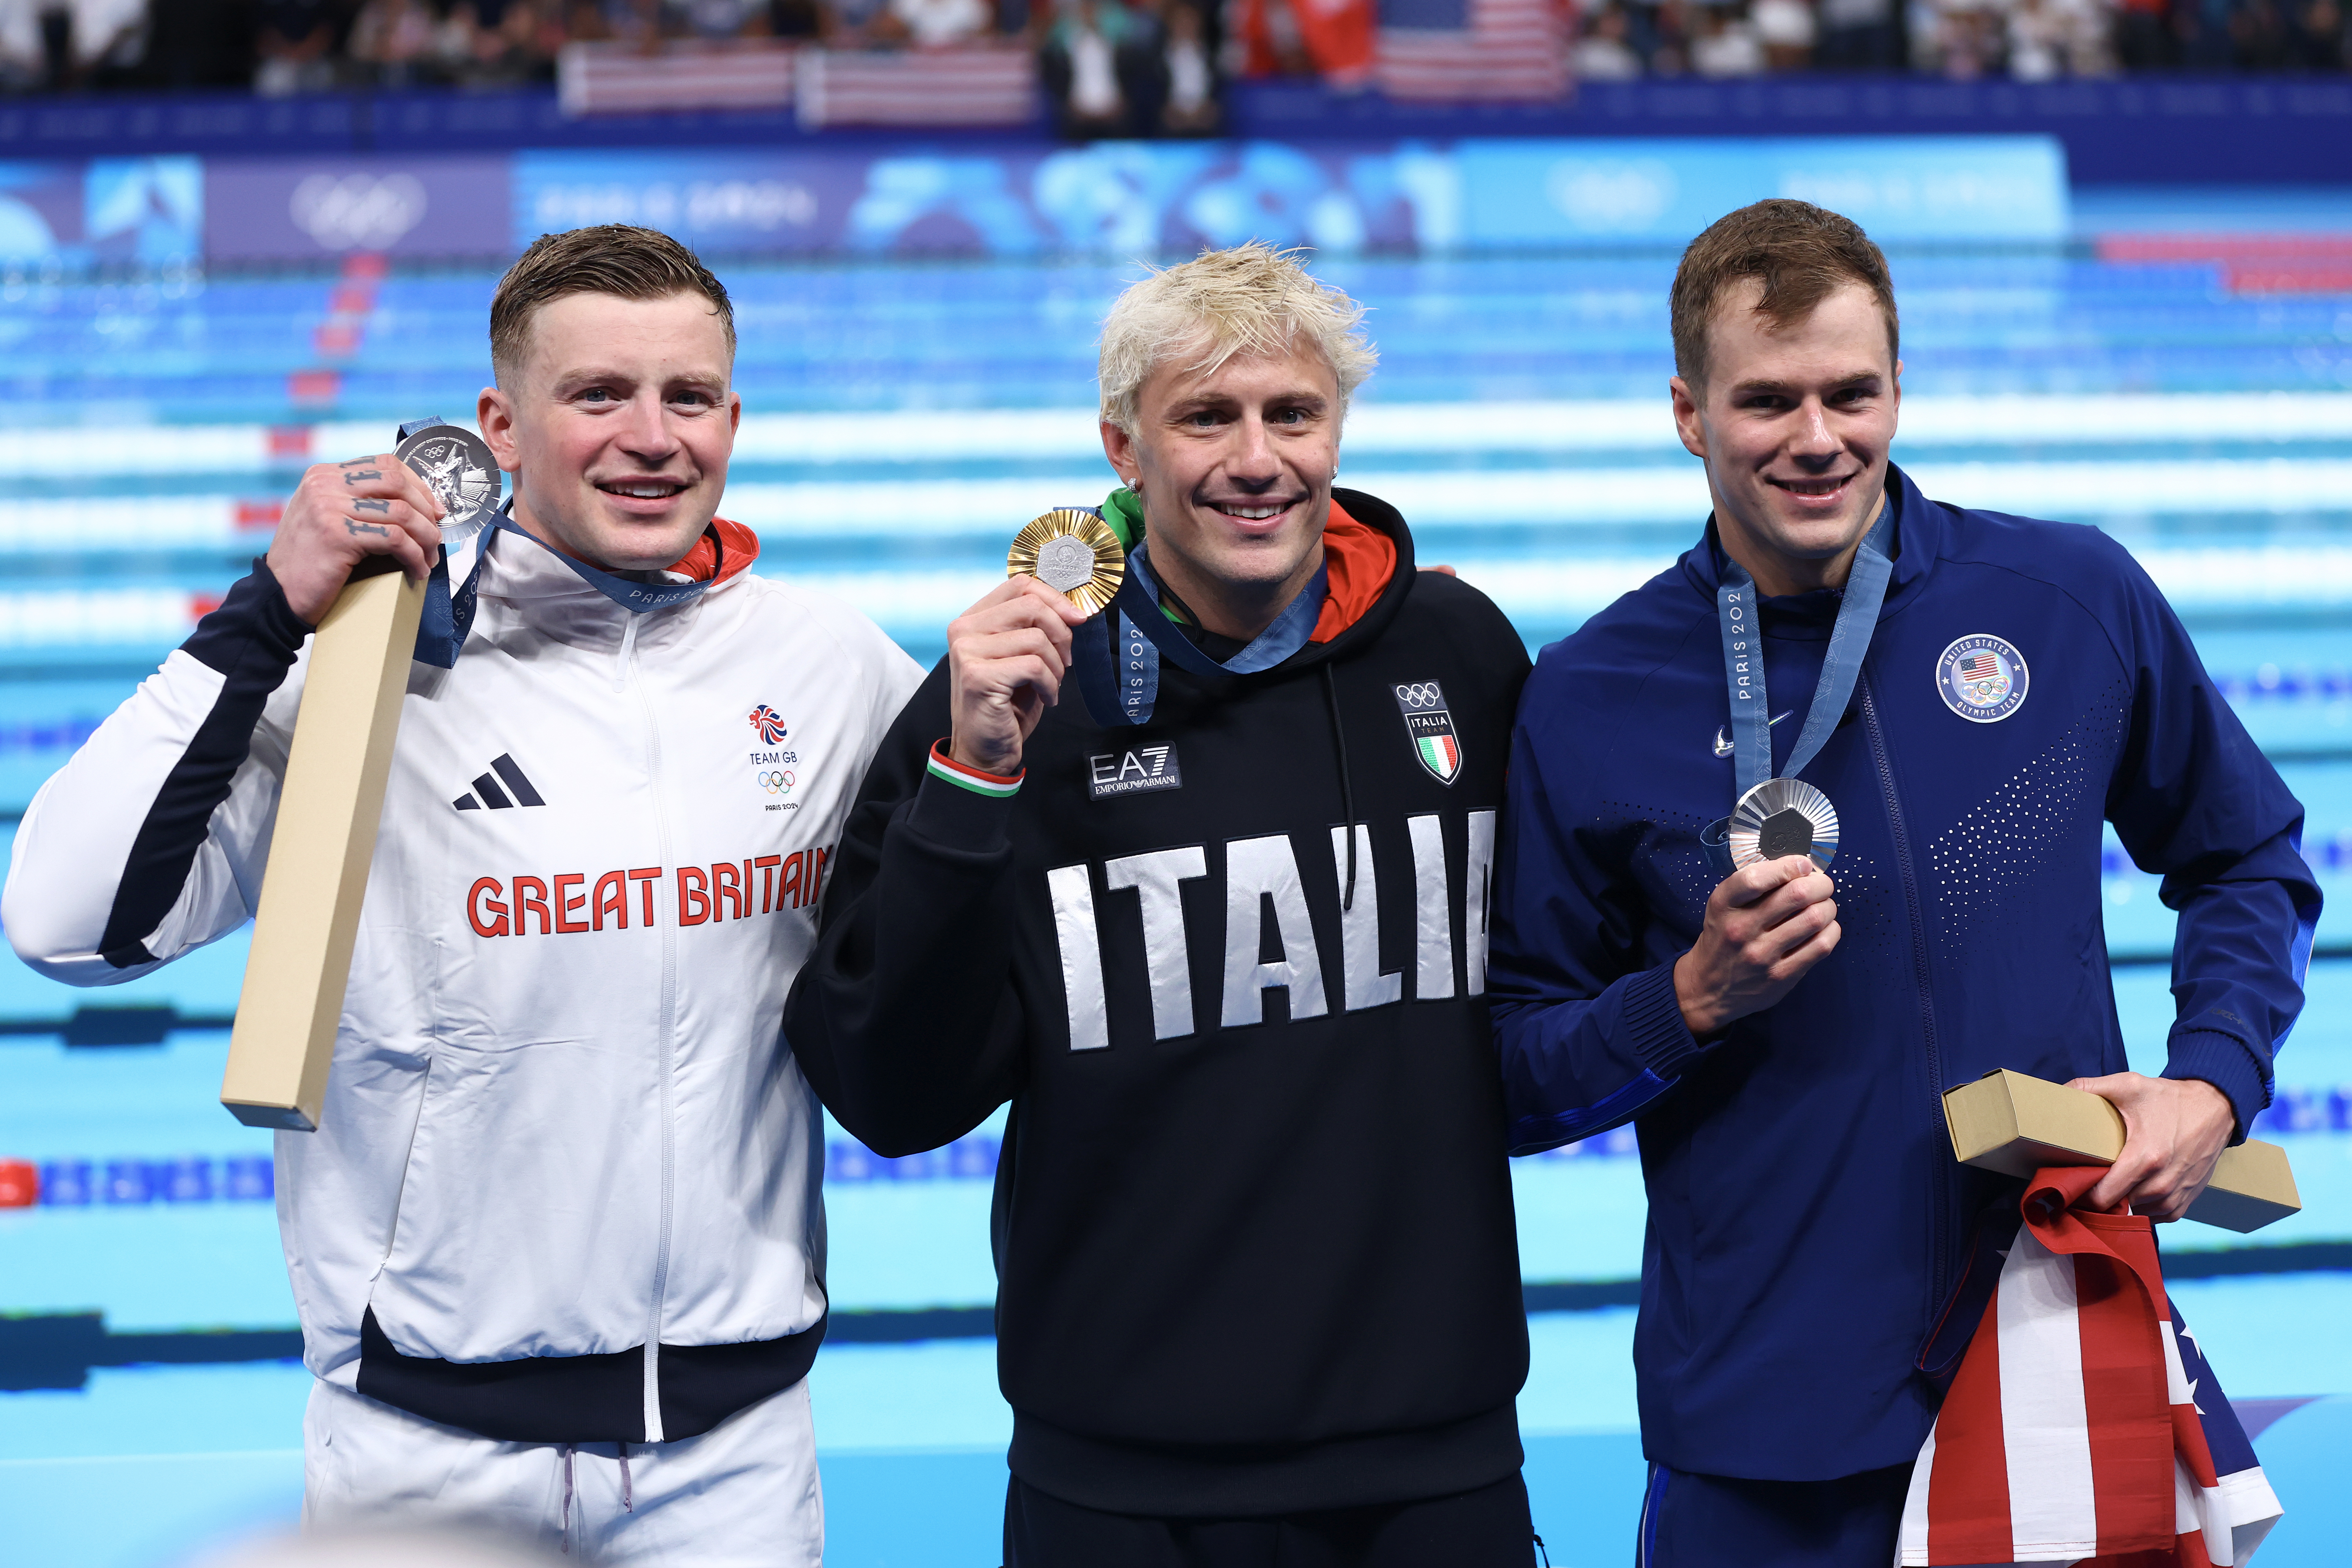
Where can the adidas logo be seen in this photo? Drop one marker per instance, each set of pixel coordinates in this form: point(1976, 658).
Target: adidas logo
point(517, 790)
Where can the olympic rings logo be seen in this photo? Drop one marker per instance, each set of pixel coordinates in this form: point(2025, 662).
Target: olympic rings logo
point(1421, 694)
point(776, 781)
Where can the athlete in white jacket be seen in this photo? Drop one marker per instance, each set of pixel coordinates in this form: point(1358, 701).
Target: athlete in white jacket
point(558, 1245)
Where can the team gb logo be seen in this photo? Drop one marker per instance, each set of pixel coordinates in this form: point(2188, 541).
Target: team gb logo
point(769, 723)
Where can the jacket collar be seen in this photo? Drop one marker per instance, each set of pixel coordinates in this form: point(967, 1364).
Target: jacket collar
point(1919, 540)
point(540, 589)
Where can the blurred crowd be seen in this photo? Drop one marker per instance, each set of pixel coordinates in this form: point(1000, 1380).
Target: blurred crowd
point(1125, 67)
point(303, 46)
point(1112, 67)
point(2027, 40)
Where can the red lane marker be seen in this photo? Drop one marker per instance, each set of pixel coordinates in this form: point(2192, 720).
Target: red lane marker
point(2290, 249)
point(2322, 279)
point(314, 387)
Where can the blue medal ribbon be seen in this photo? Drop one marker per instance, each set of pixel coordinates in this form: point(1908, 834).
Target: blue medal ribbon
point(1118, 653)
point(449, 614)
point(1737, 615)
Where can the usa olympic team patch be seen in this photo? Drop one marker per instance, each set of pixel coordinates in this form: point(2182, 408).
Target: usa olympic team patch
point(1982, 678)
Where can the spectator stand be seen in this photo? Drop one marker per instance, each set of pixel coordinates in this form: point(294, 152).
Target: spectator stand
point(326, 78)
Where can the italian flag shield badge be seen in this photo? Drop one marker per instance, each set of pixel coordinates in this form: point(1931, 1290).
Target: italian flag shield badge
point(1430, 726)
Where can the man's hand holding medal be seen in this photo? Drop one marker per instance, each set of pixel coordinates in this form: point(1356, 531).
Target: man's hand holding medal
point(1008, 654)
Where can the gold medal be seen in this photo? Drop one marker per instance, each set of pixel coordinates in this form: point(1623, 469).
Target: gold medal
point(1073, 551)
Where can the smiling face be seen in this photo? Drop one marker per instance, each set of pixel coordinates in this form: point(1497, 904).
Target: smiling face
point(617, 427)
point(1794, 423)
point(1235, 470)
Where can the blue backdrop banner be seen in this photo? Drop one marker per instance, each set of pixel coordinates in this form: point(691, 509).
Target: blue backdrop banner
point(1026, 200)
point(1555, 192)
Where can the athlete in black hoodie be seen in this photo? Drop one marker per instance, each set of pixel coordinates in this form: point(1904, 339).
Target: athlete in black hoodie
point(1217, 929)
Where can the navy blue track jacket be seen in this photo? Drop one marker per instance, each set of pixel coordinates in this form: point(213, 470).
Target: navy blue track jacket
point(1807, 1218)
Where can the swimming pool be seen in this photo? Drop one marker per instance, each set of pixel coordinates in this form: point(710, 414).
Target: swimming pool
point(901, 421)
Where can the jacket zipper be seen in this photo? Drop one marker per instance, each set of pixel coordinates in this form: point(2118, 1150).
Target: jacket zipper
point(666, 1051)
point(1940, 1196)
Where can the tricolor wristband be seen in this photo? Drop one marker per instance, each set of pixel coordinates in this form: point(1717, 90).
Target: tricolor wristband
point(948, 770)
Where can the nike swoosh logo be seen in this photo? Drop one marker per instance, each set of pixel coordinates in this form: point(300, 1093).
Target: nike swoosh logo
point(1723, 747)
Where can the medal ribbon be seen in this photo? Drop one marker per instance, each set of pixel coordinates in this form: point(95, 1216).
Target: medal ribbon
point(449, 615)
point(1743, 659)
point(1139, 634)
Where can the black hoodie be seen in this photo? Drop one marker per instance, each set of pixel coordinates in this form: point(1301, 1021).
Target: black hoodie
point(1255, 1246)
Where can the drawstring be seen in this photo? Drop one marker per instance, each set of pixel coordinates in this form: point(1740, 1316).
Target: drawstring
point(1347, 791)
point(565, 1526)
point(628, 1492)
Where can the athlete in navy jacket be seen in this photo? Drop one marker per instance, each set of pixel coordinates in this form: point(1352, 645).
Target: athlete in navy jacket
point(1785, 1051)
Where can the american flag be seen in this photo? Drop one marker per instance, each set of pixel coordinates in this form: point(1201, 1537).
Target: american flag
point(1462, 51)
point(1980, 667)
point(977, 84)
point(2083, 1420)
point(608, 78)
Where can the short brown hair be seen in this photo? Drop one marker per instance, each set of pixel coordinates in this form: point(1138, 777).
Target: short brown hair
point(609, 258)
point(1803, 254)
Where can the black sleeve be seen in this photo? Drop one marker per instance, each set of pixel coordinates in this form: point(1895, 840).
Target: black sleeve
point(905, 1020)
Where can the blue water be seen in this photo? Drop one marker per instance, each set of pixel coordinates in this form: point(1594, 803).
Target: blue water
point(904, 515)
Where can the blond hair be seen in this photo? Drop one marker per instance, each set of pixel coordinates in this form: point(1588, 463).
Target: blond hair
point(1250, 299)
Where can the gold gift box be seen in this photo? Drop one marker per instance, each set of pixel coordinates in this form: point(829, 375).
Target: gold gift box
point(2008, 1122)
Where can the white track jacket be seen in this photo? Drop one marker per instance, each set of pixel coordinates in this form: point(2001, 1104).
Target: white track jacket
point(566, 1183)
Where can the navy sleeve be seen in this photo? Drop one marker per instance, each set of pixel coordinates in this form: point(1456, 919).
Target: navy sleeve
point(1585, 1045)
point(2194, 800)
point(906, 1019)
point(251, 640)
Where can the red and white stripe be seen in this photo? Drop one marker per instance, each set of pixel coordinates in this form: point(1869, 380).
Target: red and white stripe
point(1513, 51)
point(2071, 1430)
point(615, 79)
point(976, 84)
point(146, 618)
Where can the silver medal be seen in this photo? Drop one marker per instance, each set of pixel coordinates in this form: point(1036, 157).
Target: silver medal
point(1781, 818)
point(457, 465)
